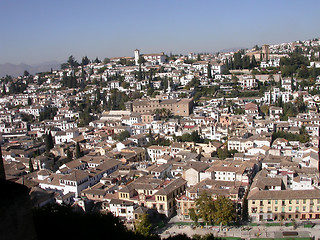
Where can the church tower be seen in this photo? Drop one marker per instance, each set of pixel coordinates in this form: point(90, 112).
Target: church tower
point(265, 52)
point(136, 56)
point(169, 86)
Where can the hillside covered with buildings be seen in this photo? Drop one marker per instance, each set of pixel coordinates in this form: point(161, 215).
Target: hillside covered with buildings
point(153, 133)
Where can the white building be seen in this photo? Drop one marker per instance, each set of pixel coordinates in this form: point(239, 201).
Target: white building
point(156, 151)
point(248, 82)
point(65, 137)
point(122, 209)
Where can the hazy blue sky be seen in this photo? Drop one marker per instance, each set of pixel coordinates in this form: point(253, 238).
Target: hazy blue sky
point(35, 31)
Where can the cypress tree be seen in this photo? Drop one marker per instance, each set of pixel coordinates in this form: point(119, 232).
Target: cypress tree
point(253, 62)
point(69, 155)
point(209, 71)
point(49, 142)
point(31, 169)
point(78, 151)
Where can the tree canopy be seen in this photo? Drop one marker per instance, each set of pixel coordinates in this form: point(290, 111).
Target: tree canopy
point(143, 225)
point(219, 211)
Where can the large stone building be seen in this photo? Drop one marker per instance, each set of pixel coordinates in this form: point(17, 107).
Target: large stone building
point(153, 58)
point(284, 204)
point(261, 55)
point(181, 107)
point(154, 193)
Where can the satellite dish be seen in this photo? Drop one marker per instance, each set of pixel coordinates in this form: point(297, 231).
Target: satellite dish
point(43, 165)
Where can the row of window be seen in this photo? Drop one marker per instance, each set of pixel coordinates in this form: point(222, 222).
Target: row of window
point(290, 209)
point(123, 195)
point(283, 202)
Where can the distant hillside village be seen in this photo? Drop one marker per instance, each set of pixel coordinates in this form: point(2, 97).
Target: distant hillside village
point(153, 133)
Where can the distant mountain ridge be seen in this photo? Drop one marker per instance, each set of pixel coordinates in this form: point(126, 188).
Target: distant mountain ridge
point(16, 70)
point(233, 49)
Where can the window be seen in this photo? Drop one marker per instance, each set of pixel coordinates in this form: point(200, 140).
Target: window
point(297, 209)
point(276, 201)
point(304, 201)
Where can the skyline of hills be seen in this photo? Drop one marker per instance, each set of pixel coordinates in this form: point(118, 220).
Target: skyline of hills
point(17, 69)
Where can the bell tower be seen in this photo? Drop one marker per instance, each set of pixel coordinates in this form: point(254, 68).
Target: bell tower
point(136, 56)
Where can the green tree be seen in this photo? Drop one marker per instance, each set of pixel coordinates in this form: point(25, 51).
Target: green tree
point(49, 142)
point(296, 62)
point(209, 70)
point(4, 89)
point(123, 136)
point(253, 62)
point(205, 208)
point(219, 211)
point(97, 60)
point(223, 153)
point(225, 212)
point(246, 62)
point(303, 135)
point(69, 155)
point(193, 215)
point(48, 113)
point(64, 66)
point(72, 62)
point(237, 60)
point(265, 109)
point(85, 61)
point(289, 110)
point(31, 169)
point(143, 225)
point(79, 153)
point(162, 113)
point(141, 60)
point(300, 104)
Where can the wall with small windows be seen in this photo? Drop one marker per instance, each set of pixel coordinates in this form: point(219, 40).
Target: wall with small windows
point(284, 209)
